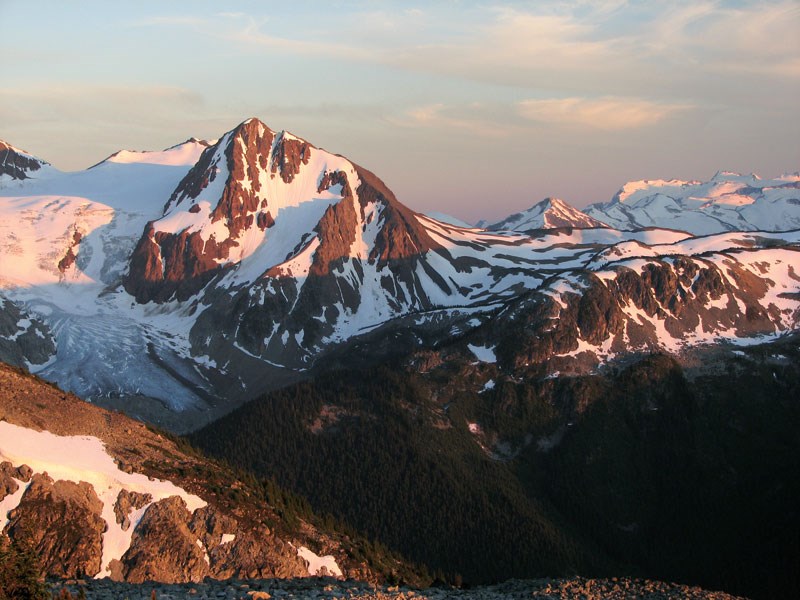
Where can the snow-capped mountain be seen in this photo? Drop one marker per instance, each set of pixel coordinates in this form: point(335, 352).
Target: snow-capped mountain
point(547, 214)
point(201, 275)
point(732, 288)
point(728, 202)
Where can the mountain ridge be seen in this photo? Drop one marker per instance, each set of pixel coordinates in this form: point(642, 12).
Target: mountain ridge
point(135, 506)
point(220, 270)
point(16, 164)
point(728, 202)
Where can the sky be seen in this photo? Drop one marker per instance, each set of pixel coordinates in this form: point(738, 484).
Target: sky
point(475, 109)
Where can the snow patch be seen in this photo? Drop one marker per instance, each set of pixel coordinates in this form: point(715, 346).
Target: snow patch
point(483, 353)
point(11, 501)
point(319, 565)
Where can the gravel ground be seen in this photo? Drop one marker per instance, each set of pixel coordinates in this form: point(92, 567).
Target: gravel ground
point(320, 588)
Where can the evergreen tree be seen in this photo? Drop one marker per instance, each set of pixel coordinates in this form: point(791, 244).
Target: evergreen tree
point(20, 573)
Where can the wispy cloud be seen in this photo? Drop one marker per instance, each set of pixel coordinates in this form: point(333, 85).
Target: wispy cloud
point(601, 113)
point(680, 48)
point(713, 35)
point(577, 46)
point(473, 119)
point(172, 21)
point(250, 30)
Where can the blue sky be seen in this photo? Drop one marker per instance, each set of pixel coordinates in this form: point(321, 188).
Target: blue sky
point(477, 109)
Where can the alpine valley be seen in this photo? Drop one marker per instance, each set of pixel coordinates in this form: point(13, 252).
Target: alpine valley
point(614, 391)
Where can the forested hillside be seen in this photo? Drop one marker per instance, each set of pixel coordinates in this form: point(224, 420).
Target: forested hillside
point(681, 474)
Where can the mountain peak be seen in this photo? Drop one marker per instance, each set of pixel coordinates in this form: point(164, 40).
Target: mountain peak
point(555, 202)
point(269, 195)
point(547, 214)
point(184, 154)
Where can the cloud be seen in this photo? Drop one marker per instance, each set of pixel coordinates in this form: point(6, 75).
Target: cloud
point(601, 113)
point(574, 47)
point(526, 117)
point(248, 30)
point(680, 49)
point(713, 36)
point(473, 119)
point(172, 21)
point(510, 49)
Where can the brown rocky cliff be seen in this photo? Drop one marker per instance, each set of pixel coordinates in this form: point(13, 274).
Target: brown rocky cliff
point(289, 154)
point(62, 521)
point(336, 229)
point(179, 264)
point(402, 236)
point(163, 548)
point(8, 475)
point(164, 265)
point(246, 157)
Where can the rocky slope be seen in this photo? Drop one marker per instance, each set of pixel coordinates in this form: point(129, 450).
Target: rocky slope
point(99, 495)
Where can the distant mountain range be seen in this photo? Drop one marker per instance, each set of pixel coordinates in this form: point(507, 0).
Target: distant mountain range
point(562, 391)
point(195, 277)
point(728, 202)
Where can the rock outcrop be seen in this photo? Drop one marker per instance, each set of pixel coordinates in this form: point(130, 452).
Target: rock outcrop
point(585, 318)
point(24, 339)
point(163, 548)
point(62, 521)
point(127, 502)
point(17, 164)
